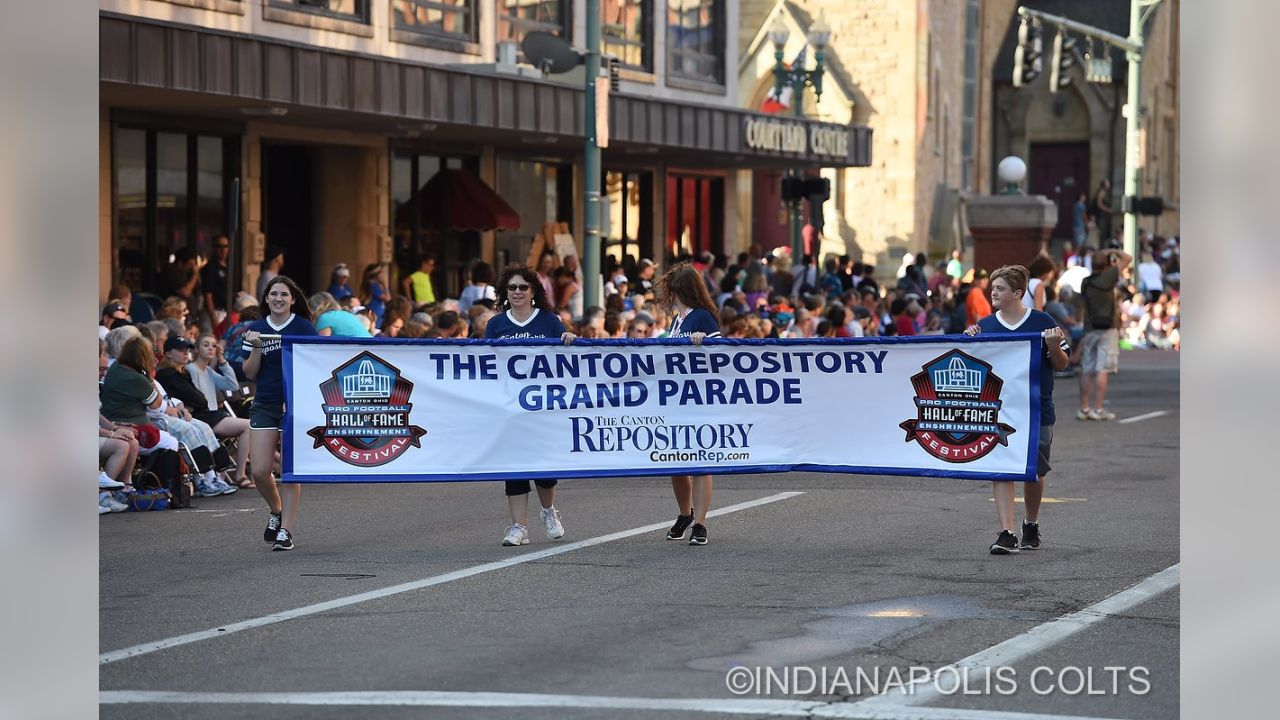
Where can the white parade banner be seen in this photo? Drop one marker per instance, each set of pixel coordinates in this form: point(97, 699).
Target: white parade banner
point(458, 410)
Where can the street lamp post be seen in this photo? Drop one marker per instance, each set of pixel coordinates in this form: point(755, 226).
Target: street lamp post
point(797, 78)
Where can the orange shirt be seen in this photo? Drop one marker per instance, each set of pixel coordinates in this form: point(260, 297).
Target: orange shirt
point(976, 306)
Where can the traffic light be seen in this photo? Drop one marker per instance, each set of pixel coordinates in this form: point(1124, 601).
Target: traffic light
point(1064, 57)
point(1142, 205)
point(1026, 58)
point(792, 188)
point(817, 188)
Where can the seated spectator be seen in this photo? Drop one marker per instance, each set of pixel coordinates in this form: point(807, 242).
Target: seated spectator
point(179, 420)
point(393, 323)
point(903, 324)
point(113, 314)
point(449, 324)
point(332, 320)
point(127, 393)
point(212, 376)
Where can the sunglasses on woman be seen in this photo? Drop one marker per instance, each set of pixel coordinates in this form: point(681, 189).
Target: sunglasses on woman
point(519, 288)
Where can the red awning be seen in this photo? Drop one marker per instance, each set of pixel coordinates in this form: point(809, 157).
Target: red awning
point(455, 199)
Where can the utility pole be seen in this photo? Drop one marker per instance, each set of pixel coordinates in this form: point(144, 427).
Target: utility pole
point(1133, 46)
point(591, 166)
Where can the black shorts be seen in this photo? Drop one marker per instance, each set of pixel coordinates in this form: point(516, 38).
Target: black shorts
point(1046, 440)
point(266, 416)
point(521, 487)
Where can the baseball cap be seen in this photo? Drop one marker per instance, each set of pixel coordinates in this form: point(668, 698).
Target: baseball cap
point(620, 279)
point(178, 343)
point(112, 308)
point(860, 312)
point(341, 270)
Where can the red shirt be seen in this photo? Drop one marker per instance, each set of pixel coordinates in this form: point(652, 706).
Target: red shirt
point(905, 325)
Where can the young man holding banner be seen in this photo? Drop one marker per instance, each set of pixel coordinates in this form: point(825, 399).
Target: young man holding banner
point(1008, 285)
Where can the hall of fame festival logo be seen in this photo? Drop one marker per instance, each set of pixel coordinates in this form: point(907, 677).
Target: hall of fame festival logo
point(366, 413)
point(958, 404)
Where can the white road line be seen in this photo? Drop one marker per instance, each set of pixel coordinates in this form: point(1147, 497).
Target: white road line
point(150, 647)
point(794, 708)
point(1032, 641)
point(1144, 416)
point(734, 706)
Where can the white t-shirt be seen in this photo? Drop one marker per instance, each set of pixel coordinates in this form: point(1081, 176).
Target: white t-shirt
point(1151, 276)
point(1029, 297)
point(472, 293)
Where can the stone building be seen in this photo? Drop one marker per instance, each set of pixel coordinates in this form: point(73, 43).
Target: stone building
point(933, 77)
point(899, 66)
point(1075, 138)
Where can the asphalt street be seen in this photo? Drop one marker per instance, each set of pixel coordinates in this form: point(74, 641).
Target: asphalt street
point(854, 573)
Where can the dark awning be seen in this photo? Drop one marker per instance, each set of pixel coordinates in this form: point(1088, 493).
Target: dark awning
point(455, 199)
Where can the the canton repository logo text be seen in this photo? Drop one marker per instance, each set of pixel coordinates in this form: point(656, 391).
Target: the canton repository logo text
point(958, 399)
point(366, 413)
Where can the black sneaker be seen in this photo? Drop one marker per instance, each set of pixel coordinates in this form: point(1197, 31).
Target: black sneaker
point(284, 540)
point(273, 527)
point(1006, 544)
point(682, 523)
point(699, 534)
point(1030, 535)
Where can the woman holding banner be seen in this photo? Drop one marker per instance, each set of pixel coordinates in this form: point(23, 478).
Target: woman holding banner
point(694, 317)
point(288, 315)
point(528, 315)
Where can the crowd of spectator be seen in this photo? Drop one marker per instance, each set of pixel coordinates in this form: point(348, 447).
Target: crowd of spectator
point(197, 356)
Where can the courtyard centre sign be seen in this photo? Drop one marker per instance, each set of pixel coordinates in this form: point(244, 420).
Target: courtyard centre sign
point(795, 137)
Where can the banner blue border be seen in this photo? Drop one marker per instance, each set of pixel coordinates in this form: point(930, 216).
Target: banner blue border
point(1032, 341)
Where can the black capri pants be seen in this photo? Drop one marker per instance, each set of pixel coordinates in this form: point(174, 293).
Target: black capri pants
point(522, 487)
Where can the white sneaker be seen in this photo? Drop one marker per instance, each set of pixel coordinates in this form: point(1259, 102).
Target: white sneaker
point(214, 484)
point(1100, 414)
point(106, 483)
point(106, 501)
point(204, 488)
point(516, 535)
point(551, 518)
point(103, 510)
point(1084, 414)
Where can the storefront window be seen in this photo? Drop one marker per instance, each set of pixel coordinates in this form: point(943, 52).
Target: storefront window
point(695, 40)
point(695, 216)
point(628, 198)
point(517, 17)
point(415, 236)
point(171, 191)
point(357, 10)
point(448, 18)
point(628, 31)
point(540, 192)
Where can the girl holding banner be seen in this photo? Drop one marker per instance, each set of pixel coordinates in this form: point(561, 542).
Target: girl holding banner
point(528, 315)
point(694, 317)
point(289, 315)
